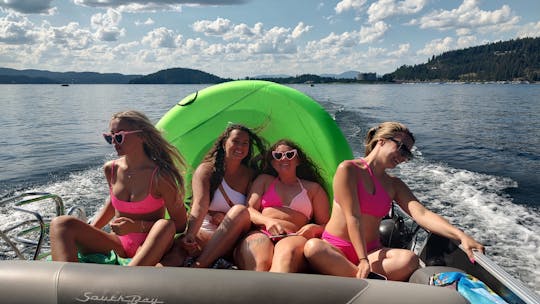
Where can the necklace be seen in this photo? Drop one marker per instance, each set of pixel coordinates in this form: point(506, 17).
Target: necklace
point(129, 174)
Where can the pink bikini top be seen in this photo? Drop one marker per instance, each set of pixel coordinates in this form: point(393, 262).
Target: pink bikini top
point(377, 204)
point(300, 202)
point(147, 205)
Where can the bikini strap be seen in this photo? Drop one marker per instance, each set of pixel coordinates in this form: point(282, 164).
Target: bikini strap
point(367, 165)
point(224, 193)
point(301, 185)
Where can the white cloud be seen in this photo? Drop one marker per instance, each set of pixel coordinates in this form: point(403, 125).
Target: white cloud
point(133, 6)
point(468, 16)
point(17, 29)
point(383, 9)
point(160, 38)
point(300, 29)
point(402, 50)
point(69, 37)
point(529, 30)
point(218, 27)
point(437, 46)
point(148, 21)
point(106, 25)
point(373, 33)
point(346, 5)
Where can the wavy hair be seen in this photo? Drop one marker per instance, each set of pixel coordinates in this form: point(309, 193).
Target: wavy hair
point(168, 159)
point(385, 130)
point(216, 155)
point(306, 168)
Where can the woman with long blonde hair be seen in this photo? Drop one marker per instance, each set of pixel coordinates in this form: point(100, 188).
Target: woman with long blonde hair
point(144, 182)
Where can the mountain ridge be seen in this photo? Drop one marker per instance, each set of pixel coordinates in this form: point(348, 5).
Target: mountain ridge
point(516, 59)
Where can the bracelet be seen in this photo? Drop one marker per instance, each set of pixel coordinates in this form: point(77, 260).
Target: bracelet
point(363, 259)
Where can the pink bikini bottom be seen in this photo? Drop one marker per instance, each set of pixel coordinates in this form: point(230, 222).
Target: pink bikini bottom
point(132, 241)
point(347, 247)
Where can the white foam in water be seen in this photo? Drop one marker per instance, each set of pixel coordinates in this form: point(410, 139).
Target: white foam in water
point(477, 204)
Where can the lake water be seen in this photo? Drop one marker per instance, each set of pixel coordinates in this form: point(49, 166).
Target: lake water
point(477, 148)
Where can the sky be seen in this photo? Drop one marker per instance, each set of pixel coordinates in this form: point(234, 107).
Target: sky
point(246, 38)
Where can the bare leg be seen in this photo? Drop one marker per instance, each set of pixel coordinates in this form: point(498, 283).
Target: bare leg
point(174, 257)
point(159, 240)
point(235, 223)
point(289, 255)
point(69, 234)
point(327, 259)
point(255, 252)
point(395, 264)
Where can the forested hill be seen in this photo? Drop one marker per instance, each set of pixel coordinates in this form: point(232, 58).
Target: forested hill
point(178, 75)
point(514, 60)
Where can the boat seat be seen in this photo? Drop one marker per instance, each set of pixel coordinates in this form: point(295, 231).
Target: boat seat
point(422, 275)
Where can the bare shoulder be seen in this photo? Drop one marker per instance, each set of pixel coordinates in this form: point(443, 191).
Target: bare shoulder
point(311, 186)
point(351, 168)
point(108, 165)
point(204, 169)
point(264, 178)
point(395, 181)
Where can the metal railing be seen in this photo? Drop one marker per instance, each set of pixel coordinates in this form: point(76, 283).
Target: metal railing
point(22, 230)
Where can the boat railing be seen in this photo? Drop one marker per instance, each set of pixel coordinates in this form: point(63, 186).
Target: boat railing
point(24, 231)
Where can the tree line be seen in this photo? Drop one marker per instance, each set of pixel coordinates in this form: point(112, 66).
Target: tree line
point(513, 60)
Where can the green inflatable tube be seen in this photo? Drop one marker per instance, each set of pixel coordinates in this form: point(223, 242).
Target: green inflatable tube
point(275, 110)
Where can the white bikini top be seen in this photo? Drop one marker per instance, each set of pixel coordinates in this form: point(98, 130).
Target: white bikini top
point(219, 203)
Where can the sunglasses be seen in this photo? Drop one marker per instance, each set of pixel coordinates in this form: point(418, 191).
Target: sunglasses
point(402, 148)
point(287, 154)
point(118, 137)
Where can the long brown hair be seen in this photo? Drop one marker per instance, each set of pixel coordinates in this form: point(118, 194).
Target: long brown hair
point(216, 155)
point(306, 168)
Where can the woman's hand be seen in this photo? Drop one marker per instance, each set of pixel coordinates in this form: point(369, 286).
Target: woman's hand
point(274, 227)
point(363, 269)
point(190, 245)
point(124, 225)
point(469, 244)
point(216, 217)
point(310, 231)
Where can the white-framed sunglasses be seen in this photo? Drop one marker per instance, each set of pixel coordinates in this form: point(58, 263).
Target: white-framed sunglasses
point(277, 155)
point(118, 137)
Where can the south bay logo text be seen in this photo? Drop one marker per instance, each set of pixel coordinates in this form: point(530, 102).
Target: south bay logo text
point(130, 299)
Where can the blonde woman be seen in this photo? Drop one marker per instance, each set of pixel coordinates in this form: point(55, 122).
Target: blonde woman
point(144, 182)
point(363, 195)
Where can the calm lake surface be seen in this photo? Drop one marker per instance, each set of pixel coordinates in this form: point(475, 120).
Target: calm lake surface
point(477, 148)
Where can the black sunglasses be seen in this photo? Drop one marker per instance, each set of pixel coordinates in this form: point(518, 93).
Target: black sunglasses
point(402, 148)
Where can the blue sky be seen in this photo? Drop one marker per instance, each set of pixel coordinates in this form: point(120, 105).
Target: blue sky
point(239, 38)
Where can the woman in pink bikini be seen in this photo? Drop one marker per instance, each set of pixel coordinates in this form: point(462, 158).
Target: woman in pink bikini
point(288, 206)
point(363, 194)
point(143, 183)
point(218, 214)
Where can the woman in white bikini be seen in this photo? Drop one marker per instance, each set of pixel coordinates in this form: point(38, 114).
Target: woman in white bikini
point(218, 214)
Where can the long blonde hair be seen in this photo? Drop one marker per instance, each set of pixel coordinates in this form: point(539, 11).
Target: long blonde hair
point(156, 147)
point(384, 130)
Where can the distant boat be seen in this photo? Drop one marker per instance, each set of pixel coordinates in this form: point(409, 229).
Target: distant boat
point(65, 84)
